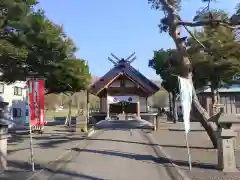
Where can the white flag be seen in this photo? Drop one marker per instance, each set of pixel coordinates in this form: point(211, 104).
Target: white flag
point(185, 87)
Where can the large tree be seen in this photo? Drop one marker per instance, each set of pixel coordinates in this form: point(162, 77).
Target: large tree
point(220, 63)
point(172, 23)
point(70, 76)
point(30, 44)
point(33, 46)
point(159, 99)
point(165, 63)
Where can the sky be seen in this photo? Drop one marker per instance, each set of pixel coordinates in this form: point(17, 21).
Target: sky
point(121, 27)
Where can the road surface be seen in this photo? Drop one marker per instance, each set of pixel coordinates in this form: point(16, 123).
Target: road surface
point(115, 155)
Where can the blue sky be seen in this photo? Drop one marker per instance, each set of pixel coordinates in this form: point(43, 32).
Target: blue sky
point(101, 27)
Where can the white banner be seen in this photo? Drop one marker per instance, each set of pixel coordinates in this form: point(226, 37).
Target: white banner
point(185, 87)
point(117, 99)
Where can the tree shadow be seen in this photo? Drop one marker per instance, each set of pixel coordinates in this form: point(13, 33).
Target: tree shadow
point(142, 143)
point(192, 130)
point(121, 141)
point(56, 141)
point(22, 170)
point(15, 138)
point(60, 121)
point(9, 152)
point(138, 157)
point(69, 174)
point(184, 147)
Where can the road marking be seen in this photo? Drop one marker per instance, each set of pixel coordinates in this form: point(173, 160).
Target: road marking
point(181, 172)
point(92, 132)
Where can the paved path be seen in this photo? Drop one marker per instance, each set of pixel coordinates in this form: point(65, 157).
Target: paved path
point(114, 155)
point(53, 144)
point(171, 138)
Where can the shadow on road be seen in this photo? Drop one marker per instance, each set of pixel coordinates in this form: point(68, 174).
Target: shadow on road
point(185, 147)
point(50, 142)
point(24, 171)
point(121, 141)
point(70, 175)
point(60, 121)
point(139, 157)
point(142, 143)
point(192, 130)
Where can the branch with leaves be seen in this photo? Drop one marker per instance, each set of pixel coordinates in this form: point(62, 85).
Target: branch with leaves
point(171, 23)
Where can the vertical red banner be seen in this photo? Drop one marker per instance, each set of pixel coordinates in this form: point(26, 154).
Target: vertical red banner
point(31, 102)
point(41, 92)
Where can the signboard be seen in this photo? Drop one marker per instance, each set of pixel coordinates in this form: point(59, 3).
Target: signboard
point(117, 99)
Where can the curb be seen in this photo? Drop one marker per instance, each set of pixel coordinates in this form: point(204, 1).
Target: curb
point(84, 143)
point(160, 148)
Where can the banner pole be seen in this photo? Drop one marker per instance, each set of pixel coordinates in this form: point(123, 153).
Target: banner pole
point(30, 126)
point(31, 147)
point(189, 153)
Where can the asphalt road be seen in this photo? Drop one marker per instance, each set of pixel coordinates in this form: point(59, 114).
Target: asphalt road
point(114, 155)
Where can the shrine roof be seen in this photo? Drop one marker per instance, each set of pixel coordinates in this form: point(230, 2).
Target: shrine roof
point(123, 68)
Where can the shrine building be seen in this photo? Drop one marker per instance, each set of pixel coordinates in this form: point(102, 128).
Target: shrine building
point(123, 90)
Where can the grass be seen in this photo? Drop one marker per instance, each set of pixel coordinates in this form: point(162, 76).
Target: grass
point(62, 113)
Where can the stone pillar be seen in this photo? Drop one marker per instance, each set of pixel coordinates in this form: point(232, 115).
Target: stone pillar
point(3, 147)
point(226, 157)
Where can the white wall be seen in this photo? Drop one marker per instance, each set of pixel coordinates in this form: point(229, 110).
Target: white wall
point(143, 104)
point(142, 100)
point(15, 101)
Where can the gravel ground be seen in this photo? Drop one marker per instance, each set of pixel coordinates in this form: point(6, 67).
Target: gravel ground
point(204, 158)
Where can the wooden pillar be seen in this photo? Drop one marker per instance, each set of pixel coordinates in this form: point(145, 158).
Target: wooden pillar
point(107, 106)
point(87, 107)
point(138, 109)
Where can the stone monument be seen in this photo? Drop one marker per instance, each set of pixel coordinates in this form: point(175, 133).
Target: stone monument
point(226, 144)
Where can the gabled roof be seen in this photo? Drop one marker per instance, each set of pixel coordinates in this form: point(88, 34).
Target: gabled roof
point(230, 89)
point(123, 68)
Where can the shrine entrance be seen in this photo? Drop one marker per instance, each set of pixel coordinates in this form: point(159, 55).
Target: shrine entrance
point(123, 108)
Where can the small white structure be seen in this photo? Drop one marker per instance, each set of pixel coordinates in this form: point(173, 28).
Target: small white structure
point(15, 95)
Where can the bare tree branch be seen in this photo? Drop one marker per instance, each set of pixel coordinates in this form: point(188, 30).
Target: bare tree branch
point(205, 23)
point(194, 37)
point(168, 7)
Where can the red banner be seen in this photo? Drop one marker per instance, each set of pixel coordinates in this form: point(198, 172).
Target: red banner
point(31, 102)
point(41, 92)
point(36, 101)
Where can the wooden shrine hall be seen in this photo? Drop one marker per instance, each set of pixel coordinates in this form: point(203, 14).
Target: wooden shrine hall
point(123, 90)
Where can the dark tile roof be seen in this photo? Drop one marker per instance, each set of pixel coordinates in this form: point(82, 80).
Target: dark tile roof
point(124, 67)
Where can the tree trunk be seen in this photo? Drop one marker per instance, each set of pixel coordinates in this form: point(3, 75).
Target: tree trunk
point(214, 94)
point(170, 105)
point(175, 32)
point(174, 107)
point(201, 113)
point(87, 107)
point(69, 117)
